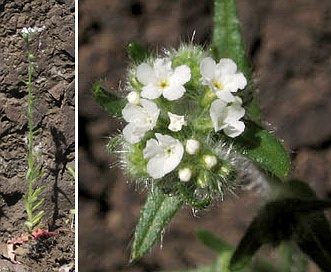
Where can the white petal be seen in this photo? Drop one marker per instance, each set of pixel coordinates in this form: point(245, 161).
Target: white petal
point(235, 112)
point(234, 129)
point(176, 122)
point(181, 75)
point(173, 160)
point(152, 149)
point(149, 106)
point(164, 155)
point(234, 82)
point(174, 92)
point(162, 68)
point(207, 68)
point(133, 134)
point(217, 113)
point(225, 95)
point(145, 74)
point(226, 66)
point(151, 92)
point(132, 112)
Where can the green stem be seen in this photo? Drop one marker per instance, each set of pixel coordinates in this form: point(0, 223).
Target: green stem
point(34, 170)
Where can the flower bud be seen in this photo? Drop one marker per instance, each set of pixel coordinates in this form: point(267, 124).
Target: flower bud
point(185, 174)
point(210, 161)
point(192, 146)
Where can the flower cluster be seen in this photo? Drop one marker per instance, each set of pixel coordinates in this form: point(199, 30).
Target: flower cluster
point(176, 107)
point(28, 31)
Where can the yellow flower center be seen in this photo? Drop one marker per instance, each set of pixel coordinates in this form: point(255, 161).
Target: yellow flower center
point(218, 84)
point(168, 150)
point(163, 84)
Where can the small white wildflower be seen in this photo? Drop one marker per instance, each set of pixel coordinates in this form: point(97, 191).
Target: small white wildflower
point(226, 117)
point(176, 122)
point(161, 79)
point(192, 146)
point(30, 30)
point(210, 161)
point(133, 98)
point(163, 154)
point(222, 77)
point(185, 174)
point(140, 118)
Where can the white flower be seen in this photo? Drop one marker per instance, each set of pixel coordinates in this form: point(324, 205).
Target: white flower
point(192, 146)
point(226, 117)
point(210, 161)
point(222, 77)
point(161, 79)
point(140, 118)
point(163, 154)
point(133, 98)
point(176, 122)
point(30, 30)
point(185, 174)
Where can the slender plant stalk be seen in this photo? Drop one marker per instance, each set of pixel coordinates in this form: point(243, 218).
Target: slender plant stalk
point(35, 171)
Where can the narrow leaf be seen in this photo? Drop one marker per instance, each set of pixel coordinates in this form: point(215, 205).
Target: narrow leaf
point(228, 43)
point(156, 214)
point(227, 38)
point(113, 143)
point(35, 207)
point(110, 102)
point(38, 217)
point(264, 149)
point(313, 236)
point(137, 52)
point(38, 190)
point(213, 242)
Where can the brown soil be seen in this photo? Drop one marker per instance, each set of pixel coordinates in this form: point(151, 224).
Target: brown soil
point(53, 86)
point(288, 44)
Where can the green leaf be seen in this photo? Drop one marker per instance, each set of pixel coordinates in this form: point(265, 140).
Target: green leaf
point(227, 38)
point(300, 220)
point(35, 207)
point(37, 218)
point(228, 43)
point(213, 242)
point(137, 52)
point(37, 191)
point(113, 143)
point(264, 149)
point(110, 102)
point(224, 252)
point(156, 214)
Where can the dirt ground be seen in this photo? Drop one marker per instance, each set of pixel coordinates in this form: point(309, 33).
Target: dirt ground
point(289, 45)
point(53, 86)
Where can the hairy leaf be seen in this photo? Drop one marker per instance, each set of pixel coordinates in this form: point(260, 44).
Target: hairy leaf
point(228, 43)
point(264, 149)
point(156, 214)
point(137, 52)
point(109, 101)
